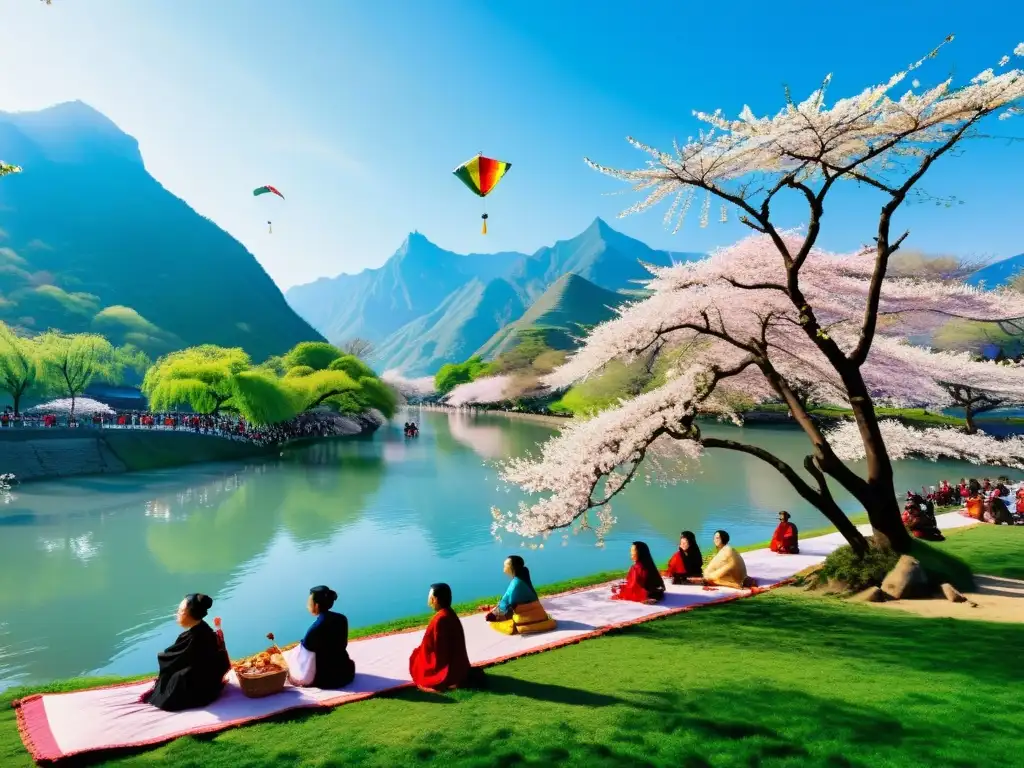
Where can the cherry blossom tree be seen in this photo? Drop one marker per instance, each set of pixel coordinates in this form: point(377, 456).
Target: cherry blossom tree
point(775, 314)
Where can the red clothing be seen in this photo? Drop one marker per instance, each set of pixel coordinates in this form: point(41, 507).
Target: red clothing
point(785, 540)
point(637, 587)
point(1020, 502)
point(441, 661)
point(677, 567)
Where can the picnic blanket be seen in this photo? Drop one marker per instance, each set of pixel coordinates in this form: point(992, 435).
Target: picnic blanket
point(60, 725)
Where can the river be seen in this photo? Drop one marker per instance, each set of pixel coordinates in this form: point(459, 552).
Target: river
point(92, 569)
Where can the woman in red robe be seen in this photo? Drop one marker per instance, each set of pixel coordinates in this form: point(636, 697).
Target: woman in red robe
point(441, 662)
point(687, 562)
point(643, 582)
point(785, 540)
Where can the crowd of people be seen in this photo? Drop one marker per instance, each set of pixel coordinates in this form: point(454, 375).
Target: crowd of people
point(226, 426)
point(192, 671)
point(984, 500)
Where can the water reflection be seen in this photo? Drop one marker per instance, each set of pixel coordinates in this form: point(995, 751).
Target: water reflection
point(94, 567)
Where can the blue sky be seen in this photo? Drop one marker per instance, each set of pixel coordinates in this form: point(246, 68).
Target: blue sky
point(359, 111)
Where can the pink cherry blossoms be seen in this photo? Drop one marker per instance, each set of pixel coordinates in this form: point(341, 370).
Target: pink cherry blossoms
point(906, 442)
point(776, 318)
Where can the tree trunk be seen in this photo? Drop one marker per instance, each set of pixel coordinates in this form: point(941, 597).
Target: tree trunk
point(16, 397)
point(880, 501)
point(969, 418)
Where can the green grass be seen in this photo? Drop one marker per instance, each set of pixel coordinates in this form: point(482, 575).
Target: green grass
point(785, 679)
point(779, 680)
point(991, 550)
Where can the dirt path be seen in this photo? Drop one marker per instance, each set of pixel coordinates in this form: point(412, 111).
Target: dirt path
point(998, 599)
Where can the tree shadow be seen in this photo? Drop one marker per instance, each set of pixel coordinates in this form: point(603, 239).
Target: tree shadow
point(502, 685)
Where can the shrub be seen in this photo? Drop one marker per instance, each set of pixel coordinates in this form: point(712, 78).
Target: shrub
point(855, 571)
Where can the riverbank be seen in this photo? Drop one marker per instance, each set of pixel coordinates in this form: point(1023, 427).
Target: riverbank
point(825, 665)
point(47, 454)
point(779, 414)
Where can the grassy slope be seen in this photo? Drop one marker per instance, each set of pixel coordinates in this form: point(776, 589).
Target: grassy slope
point(570, 302)
point(783, 680)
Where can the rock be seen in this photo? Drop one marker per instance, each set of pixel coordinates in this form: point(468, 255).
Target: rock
point(837, 587)
point(906, 581)
point(953, 594)
point(869, 595)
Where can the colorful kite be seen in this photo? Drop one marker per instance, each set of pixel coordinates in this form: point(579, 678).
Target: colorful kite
point(482, 174)
point(265, 190)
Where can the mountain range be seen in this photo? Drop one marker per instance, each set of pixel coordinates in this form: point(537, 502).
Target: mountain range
point(427, 306)
point(89, 241)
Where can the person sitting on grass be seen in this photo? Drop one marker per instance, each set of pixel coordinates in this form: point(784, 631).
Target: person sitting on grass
point(441, 661)
point(785, 540)
point(643, 582)
point(687, 562)
point(321, 658)
point(192, 670)
point(519, 611)
point(919, 518)
point(726, 568)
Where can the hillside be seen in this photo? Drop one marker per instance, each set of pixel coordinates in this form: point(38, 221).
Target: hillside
point(90, 241)
point(464, 321)
point(558, 316)
point(375, 303)
point(412, 306)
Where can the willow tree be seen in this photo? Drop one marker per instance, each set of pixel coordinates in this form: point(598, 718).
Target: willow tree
point(775, 312)
point(73, 361)
point(202, 377)
point(20, 366)
point(317, 355)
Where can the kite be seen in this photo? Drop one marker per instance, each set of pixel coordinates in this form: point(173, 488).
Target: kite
point(482, 174)
point(263, 191)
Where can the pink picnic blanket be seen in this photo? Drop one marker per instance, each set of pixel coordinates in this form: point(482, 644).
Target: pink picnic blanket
point(59, 725)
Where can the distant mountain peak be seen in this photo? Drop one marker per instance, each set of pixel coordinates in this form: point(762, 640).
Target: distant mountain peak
point(74, 131)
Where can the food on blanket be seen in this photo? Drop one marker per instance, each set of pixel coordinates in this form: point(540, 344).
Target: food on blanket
point(192, 670)
point(726, 568)
point(687, 562)
point(263, 663)
point(643, 582)
point(441, 660)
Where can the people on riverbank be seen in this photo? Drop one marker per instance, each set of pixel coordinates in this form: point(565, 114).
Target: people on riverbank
point(411, 430)
point(441, 661)
point(726, 568)
point(643, 583)
point(919, 518)
point(192, 669)
point(321, 658)
point(519, 611)
point(786, 539)
point(687, 562)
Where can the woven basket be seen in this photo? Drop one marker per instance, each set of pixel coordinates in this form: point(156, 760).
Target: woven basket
point(267, 684)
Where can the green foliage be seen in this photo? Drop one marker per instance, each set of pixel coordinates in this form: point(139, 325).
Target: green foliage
point(6, 169)
point(353, 366)
point(262, 399)
point(318, 355)
point(452, 375)
point(319, 386)
point(858, 572)
point(616, 382)
point(201, 377)
point(21, 369)
point(274, 364)
point(374, 393)
point(74, 361)
point(298, 372)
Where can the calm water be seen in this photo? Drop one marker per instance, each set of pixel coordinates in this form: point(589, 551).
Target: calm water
point(92, 569)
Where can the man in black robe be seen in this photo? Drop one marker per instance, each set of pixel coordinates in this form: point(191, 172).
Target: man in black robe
point(192, 670)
